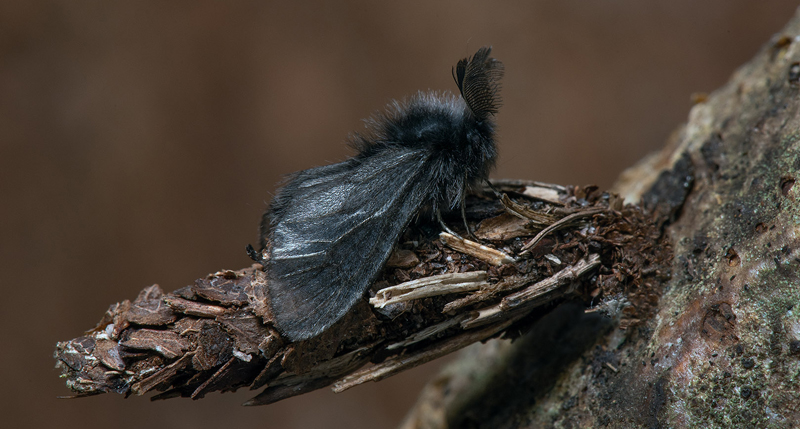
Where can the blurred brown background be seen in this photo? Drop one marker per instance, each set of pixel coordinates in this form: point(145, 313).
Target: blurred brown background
point(140, 141)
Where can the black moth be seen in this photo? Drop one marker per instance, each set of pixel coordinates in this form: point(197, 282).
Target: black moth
point(329, 231)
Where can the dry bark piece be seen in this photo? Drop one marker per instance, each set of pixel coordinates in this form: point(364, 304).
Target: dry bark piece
point(322, 376)
point(402, 258)
point(108, 352)
point(164, 376)
point(484, 253)
point(505, 227)
point(247, 330)
point(166, 343)
point(402, 363)
point(223, 289)
point(150, 309)
point(192, 308)
point(214, 347)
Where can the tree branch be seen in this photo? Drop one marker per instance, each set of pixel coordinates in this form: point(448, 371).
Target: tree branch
point(431, 300)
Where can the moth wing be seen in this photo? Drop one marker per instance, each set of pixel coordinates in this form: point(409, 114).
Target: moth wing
point(332, 230)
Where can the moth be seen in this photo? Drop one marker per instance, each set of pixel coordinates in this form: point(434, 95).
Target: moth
point(328, 232)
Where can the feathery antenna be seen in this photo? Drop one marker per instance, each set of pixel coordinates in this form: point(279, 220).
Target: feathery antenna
point(478, 79)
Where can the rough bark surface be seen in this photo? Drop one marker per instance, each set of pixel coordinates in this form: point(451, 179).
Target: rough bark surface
point(723, 349)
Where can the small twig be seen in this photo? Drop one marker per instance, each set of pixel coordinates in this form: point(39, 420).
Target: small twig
point(539, 219)
point(429, 286)
point(525, 299)
point(565, 276)
point(546, 192)
point(194, 308)
point(484, 253)
point(565, 221)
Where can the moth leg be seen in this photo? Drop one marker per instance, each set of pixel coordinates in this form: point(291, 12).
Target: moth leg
point(443, 225)
point(497, 193)
point(464, 216)
point(256, 256)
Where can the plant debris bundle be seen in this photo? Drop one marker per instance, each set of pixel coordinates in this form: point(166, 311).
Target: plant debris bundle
point(542, 245)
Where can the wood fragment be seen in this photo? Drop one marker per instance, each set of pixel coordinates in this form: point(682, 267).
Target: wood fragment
point(521, 301)
point(162, 376)
point(428, 332)
point(562, 223)
point(194, 308)
point(506, 227)
point(166, 343)
point(565, 276)
point(108, 352)
point(322, 376)
point(550, 195)
point(562, 190)
point(485, 294)
point(271, 370)
point(274, 394)
point(429, 286)
point(484, 253)
point(208, 385)
point(330, 368)
point(402, 363)
point(402, 258)
point(150, 309)
point(539, 219)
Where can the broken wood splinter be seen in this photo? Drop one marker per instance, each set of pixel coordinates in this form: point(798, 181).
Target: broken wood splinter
point(430, 286)
point(484, 253)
